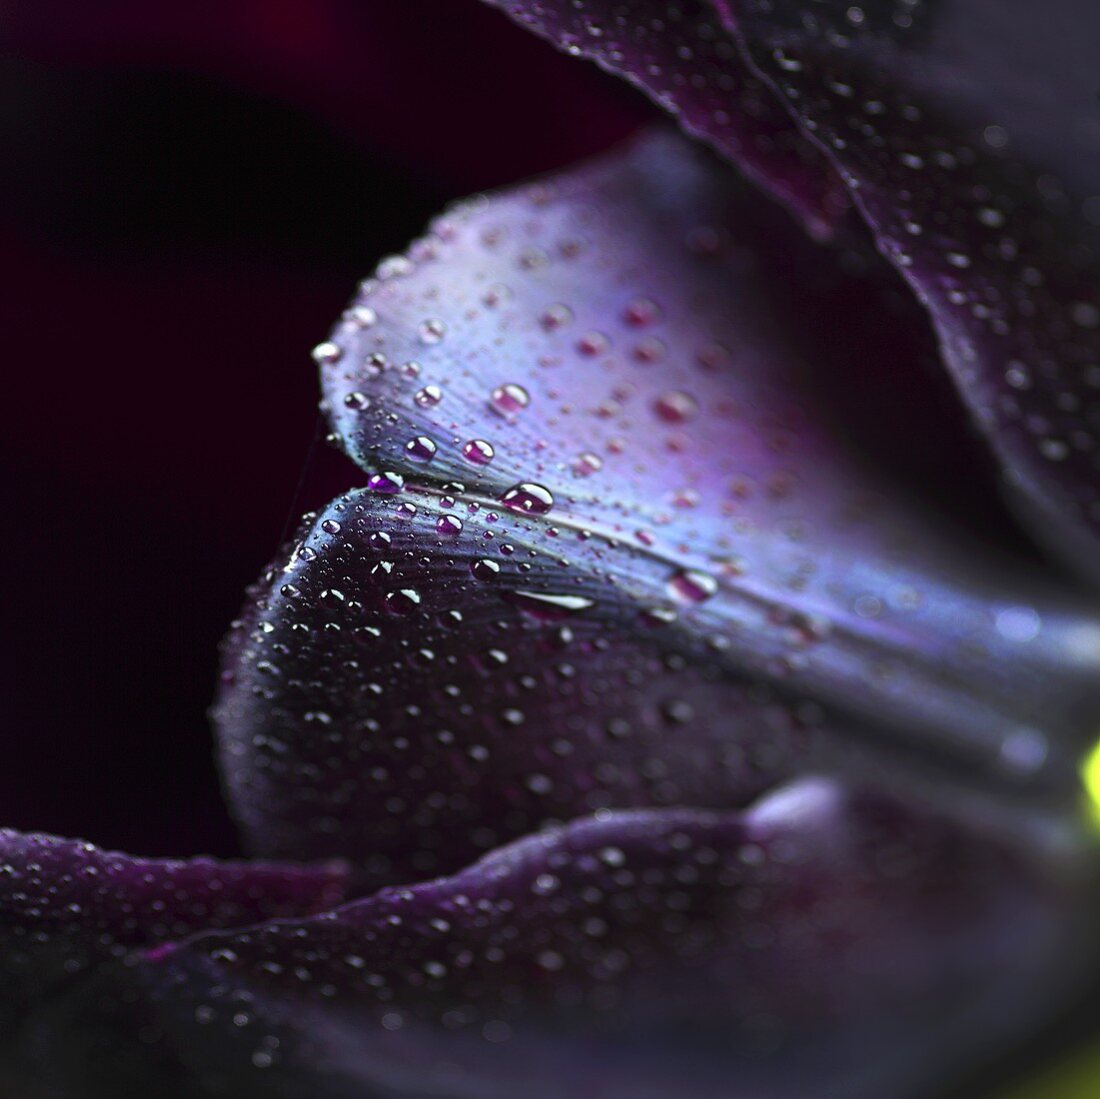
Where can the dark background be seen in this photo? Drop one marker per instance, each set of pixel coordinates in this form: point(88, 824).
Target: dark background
point(188, 196)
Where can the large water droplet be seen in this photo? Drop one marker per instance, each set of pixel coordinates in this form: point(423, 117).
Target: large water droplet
point(386, 482)
point(420, 449)
point(528, 499)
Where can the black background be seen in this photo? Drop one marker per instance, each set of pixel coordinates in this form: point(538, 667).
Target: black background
point(188, 196)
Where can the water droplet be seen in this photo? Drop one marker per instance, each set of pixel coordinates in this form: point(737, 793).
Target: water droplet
point(387, 483)
point(356, 401)
point(555, 316)
point(327, 352)
point(641, 312)
point(428, 396)
point(593, 343)
point(658, 616)
point(496, 294)
point(431, 331)
point(584, 465)
point(485, 569)
point(676, 407)
point(528, 498)
point(691, 586)
point(509, 399)
point(362, 316)
point(478, 451)
point(448, 525)
point(403, 601)
point(678, 712)
point(420, 449)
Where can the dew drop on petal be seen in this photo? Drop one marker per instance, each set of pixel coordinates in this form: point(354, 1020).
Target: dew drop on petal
point(691, 586)
point(478, 451)
point(593, 343)
point(448, 525)
point(528, 499)
point(431, 331)
point(386, 482)
point(403, 601)
point(676, 407)
point(485, 569)
point(327, 352)
point(641, 312)
point(428, 396)
point(420, 449)
point(556, 316)
point(509, 399)
point(362, 316)
point(584, 465)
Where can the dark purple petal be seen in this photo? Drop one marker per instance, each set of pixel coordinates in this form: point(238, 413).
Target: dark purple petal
point(683, 58)
point(822, 939)
point(67, 906)
point(969, 136)
point(717, 597)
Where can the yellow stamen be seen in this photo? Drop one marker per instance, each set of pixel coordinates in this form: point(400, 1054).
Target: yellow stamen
point(1090, 776)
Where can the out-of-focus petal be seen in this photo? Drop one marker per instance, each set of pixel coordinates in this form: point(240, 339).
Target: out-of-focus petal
point(822, 940)
point(67, 906)
point(682, 56)
point(969, 136)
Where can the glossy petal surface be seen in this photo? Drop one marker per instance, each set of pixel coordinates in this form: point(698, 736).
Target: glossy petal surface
point(821, 936)
point(614, 551)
